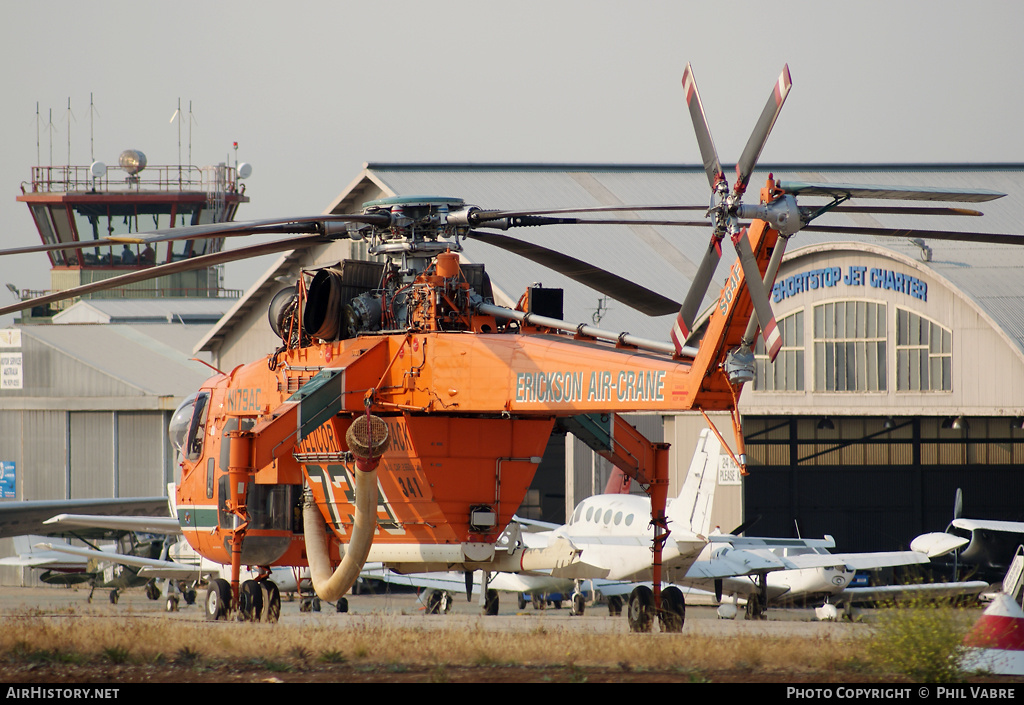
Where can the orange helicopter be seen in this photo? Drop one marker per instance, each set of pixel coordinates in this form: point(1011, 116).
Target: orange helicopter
point(404, 414)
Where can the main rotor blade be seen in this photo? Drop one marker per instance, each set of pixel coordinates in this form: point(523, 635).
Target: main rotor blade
point(304, 224)
point(489, 214)
point(618, 288)
point(901, 193)
point(745, 166)
point(906, 210)
point(276, 226)
point(172, 268)
point(994, 238)
point(708, 153)
point(528, 221)
point(695, 295)
point(758, 295)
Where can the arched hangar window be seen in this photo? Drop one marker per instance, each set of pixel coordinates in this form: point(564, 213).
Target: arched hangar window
point(924, 354)
point(786, 374)
point(849, 346)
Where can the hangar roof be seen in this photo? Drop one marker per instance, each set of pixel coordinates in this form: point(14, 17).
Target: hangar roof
point(150, 360)
point(665, 258)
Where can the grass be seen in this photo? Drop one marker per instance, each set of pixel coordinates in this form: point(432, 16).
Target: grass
point(200, 643)
point(918, 644)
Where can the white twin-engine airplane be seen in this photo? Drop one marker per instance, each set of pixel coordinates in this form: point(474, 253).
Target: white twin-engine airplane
point(614, 537)
point(614, 534)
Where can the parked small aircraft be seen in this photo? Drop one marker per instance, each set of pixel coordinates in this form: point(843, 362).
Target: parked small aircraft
point(981, 548)
point(149, 549)
point(61, 566)
point(614, 534)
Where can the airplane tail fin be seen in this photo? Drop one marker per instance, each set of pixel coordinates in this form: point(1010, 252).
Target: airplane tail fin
point(692, 508)
point(618, 482)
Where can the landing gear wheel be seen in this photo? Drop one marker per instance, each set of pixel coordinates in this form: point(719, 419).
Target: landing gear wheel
point(114, 596)
point(640, 612)
point(342, 605)
point(446, 602)
point(316, 604)
point(218, 600)
point(522, 601)
point(306, 604)
point(250, 601)
point(434, 602)
point(190, 596)
point(614, 606)
point(579, 604)
point(172, 603)
point(673, 610)
point(754, 610)
point(152, 591)
point(538, 601)
point(271, 602)
point(491, 603)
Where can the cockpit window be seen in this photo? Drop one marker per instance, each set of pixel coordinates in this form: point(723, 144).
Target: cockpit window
point(187, 426)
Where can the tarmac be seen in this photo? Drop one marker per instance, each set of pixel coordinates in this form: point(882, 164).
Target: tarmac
point(403, 609)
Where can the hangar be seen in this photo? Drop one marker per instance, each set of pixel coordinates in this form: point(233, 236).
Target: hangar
point(902, 372)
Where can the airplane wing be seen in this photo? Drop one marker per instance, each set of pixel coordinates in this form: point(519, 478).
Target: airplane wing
point(535, 524)
point(20, 518)
point(761, 542)
point(1011, 527)
point(858, 561)
point(727, 561)
point(880, 593)
point(139, 524)
point(938, 543)
point(29, 557)
point(152, 564)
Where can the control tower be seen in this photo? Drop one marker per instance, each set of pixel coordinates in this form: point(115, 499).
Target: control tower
point(91, 203)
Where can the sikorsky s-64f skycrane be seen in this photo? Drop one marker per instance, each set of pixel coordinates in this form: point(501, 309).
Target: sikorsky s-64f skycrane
point(404, 414)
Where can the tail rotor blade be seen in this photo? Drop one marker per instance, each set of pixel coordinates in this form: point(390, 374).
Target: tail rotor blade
point(758, 295)
point(769, 279)
point(745, 166)
point(708, 154)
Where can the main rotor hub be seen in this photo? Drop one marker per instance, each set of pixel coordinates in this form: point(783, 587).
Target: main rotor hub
point(417, 223)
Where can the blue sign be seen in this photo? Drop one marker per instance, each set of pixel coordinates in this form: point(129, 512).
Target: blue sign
point(7, 479)
point(827, 277)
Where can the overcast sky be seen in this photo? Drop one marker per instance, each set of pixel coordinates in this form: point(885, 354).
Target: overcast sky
point(313, 89)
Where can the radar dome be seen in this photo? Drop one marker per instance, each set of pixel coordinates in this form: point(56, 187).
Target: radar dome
point(132, 160)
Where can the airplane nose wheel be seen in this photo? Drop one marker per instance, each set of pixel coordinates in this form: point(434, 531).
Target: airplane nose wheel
point(614, 606)
point(673, 610)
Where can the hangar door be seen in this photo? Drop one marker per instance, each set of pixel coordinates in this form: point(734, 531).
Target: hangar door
point(874, 483)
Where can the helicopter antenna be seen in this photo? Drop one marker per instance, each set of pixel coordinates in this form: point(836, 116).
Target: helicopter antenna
point(602, 309)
